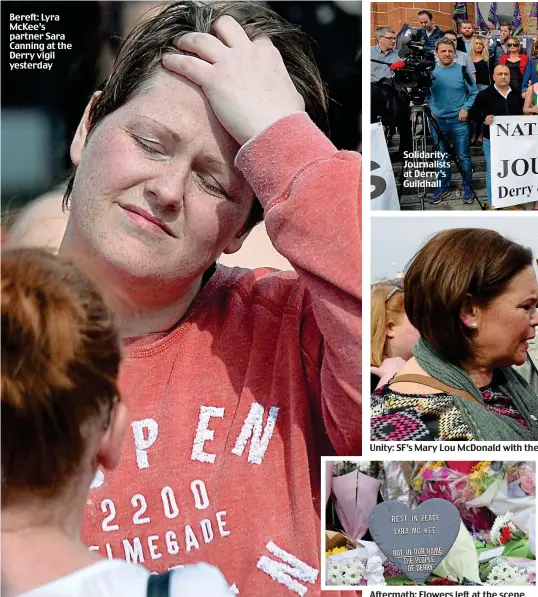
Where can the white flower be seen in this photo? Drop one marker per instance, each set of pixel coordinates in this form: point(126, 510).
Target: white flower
point(507, 575)
point(499, 523)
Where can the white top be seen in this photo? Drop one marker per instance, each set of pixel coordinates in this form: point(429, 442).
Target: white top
point(116, 578)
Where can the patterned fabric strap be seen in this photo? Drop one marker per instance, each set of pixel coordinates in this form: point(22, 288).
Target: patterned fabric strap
point(430, 382)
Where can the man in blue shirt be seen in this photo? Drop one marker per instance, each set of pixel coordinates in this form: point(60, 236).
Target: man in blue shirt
point(452, 94)
point(430, 32)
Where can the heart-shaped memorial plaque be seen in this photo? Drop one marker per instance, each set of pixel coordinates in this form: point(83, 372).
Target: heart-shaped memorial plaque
point(417, 540)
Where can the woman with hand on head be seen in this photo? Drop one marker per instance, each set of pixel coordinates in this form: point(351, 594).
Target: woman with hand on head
point(62, 418)
point(392, 336)
point(472, 295)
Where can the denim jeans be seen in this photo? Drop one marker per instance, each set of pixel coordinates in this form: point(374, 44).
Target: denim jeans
point(487, 154)
point(457, 133)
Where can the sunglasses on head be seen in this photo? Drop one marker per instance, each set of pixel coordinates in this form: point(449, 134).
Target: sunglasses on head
point(398, 287)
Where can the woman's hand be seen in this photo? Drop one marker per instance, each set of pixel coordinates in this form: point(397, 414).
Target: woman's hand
point(387, 369)
point(245, 81)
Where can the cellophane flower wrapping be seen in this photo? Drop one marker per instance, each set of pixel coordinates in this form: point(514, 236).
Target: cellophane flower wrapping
point(395, 480)
point(436, 480)
point(355, 570)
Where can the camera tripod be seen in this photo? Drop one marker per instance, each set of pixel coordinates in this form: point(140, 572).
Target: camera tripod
point(420, 114)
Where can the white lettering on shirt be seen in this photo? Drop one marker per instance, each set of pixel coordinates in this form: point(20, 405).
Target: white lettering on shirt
point(253, 427)
point(204, 434)
point(133, 553)
point(154, 554)
point(207, 530)
point(190, 539)
point(201, 499)
point(221, 524)
point(286, 571)
point(142, 442)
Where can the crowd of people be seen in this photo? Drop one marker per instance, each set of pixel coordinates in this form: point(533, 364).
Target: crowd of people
point(467, 321)
point(236, 381)
point(475, 79)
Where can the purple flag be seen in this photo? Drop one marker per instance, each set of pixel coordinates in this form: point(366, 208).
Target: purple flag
point(480, 22)
point(493, 14)
point(517, 24)
point(460, 12)
point(534, 10)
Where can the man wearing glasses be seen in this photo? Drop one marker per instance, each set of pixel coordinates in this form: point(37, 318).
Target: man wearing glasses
point(384, 51)
point(386, 103)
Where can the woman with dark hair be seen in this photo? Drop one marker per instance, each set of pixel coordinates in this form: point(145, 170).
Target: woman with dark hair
point(62, 418)
point(475, 311)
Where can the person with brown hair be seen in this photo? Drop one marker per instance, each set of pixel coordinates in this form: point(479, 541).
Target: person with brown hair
point(392, 336)
point(237, 380)
point(62, 417)
point(472, 295)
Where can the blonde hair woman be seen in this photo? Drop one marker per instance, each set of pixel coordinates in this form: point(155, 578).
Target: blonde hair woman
point(392, 336)
point(478, 51)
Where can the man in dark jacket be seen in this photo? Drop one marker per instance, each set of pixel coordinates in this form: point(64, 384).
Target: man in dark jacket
point(430, 32)
point(467, 32)
point(497, 100)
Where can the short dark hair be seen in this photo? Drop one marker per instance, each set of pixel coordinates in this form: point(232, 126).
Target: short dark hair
point(450, 32)
point(425, 12)
point(466, 22)
point(444, 41)
point(506, 25)
point(142, 50)
point(451, 266)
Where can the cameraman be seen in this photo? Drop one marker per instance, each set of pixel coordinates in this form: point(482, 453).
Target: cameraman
point(430, 33)
point(452, 94)
point(385, 101)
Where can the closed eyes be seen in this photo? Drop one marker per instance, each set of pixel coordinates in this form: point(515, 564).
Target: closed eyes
point(147, 147)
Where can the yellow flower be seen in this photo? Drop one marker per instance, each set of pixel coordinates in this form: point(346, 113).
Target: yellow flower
point(331, 552)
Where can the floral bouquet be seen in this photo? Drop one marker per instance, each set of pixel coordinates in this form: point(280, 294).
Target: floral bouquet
point(512, 490)
point(482, 476)
point(437, 480)
point(504, 529)
point(355, 571)
point(354, 495)
point(504, 572)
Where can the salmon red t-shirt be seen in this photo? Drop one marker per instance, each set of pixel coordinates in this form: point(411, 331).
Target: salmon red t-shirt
point(232, 409)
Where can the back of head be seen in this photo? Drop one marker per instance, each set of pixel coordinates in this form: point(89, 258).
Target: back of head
point(387, 307)
point(453, 267)
point(141, 53)
point(60, 361)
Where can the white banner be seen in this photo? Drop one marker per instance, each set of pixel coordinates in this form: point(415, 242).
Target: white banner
point(514, 160)
point(383, 186)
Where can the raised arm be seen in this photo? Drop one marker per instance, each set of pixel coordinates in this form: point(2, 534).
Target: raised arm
point(311, 197)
